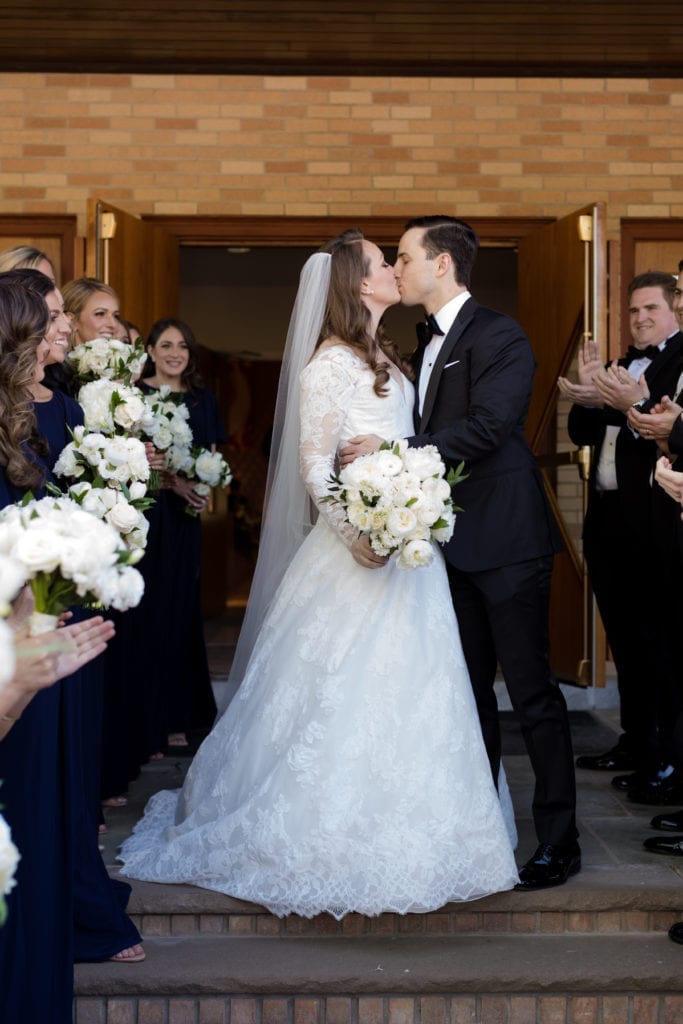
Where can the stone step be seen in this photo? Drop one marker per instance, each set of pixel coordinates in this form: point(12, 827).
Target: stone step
point(496, 979)
point(588, 904)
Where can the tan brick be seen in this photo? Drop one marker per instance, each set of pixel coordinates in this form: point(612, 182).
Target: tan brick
point(275, 1011)
point(615, 1009)
point(553, 1010)
point(370, 1010)
point(672, 1009)
point(582, 1010)
point(121, 1011)
point(183, 924)
point(182, 1011)
point(432, 1010)
point(151, 1011)
point(401, 1010)
point(494, 1009)
point(242, 1011)
point(90, 1011)
point(522, 1010)
point(307, 1011)
point(464, 1010)
point(339, 1010)
point(644, 1009)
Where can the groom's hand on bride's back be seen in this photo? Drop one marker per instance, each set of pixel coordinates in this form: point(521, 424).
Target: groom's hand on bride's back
point(363, 444)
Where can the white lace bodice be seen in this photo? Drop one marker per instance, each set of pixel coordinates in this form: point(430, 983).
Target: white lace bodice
point(338, 402)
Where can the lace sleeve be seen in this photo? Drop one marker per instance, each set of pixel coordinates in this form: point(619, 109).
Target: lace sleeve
point(327, 386)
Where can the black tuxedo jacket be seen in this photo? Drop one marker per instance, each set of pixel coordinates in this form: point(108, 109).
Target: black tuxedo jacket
point(474, 411)
point(634, 456)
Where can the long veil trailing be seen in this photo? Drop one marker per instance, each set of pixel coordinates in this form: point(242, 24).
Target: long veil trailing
point(288, 513)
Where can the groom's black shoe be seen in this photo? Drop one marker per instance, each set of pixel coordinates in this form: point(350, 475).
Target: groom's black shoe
point(549, 866)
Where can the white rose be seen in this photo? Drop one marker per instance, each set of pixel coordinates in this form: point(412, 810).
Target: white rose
point(162, 437)
point(137, 489)
point(429, 511)
point(388, 464)
point(12, 579)
point(129, 589)
point(129, 413)
point(436, 488)
point(424, 461)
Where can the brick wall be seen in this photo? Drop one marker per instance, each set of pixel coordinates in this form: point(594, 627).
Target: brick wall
point(266, 146)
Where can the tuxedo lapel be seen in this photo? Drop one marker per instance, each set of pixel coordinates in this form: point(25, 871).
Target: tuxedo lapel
point(461, 321)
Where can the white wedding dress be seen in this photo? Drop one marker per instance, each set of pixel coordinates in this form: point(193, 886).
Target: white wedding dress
point(349, 772)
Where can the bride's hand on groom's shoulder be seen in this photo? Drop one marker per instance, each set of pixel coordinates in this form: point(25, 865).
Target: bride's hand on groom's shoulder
point(362, 444)
point(361, 550)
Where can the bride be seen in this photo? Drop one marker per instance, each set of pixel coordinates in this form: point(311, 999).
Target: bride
point(349, 773)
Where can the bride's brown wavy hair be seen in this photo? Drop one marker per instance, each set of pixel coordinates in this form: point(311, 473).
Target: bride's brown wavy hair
point(24, 319)
point(346, 316)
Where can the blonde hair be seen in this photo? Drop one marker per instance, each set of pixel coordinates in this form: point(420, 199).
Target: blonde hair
point(23, 257)
point(77, 292)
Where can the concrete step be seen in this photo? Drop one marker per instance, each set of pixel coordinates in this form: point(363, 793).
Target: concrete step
point(591, 903)
point(496, 979)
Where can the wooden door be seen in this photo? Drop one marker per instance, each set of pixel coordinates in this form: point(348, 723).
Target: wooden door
point(140, 260)
point(562, 293)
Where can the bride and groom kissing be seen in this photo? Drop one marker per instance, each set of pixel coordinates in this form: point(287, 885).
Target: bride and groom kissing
point(359, 766)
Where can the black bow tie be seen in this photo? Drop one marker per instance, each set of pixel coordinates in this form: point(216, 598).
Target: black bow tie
point(649, 352)
point(427, 328)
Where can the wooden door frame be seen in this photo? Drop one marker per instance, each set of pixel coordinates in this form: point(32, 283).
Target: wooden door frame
point(31, 225)
point(311, 231)
point(642, 229)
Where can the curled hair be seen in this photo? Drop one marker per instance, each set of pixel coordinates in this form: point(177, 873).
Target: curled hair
point(448, 234)
point(22, 257)
point(190, 377)
point(347, 317)
point(654, 279)
point(77, 292)
point(24, 321)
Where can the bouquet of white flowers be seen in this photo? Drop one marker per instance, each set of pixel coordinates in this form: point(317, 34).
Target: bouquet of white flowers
point(167, 428)
point(69, 557)
point(9, 858)
point(123, 509)
point(209, 469)
point(116, 461)
point(107, 357)
point(111, 408)
point(401, 498)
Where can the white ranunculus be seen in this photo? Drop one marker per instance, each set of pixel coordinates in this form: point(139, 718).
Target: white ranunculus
point(39, 549)
point(415, 553)
point(123, 516)
point(401, 522)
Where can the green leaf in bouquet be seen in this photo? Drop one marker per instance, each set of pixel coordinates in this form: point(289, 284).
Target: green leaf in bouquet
point(457, 475)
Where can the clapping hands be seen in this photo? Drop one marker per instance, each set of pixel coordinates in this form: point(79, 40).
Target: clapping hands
point(590, 364)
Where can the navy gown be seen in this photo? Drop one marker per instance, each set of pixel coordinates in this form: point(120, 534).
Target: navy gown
point(64, 904)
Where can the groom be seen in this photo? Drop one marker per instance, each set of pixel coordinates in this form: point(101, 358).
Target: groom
point(473, 375)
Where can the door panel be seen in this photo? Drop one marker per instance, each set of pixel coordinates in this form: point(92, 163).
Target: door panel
point(140, 261)
point(556, 271)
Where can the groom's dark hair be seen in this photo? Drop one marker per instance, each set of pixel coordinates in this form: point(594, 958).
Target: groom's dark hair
point(448, 234)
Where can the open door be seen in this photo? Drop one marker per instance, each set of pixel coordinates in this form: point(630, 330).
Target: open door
point(562, 296)
point(140, 260)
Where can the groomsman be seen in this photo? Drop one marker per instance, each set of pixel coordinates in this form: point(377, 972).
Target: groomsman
point(474, 370)
point(626, 526)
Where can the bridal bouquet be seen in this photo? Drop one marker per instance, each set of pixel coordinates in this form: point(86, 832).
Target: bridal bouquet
point(401, 498)
point(123, 509)
point(111, 408)
point(209, 469)
point(69, 557)
point(166, 426)
point(109, 358)
point(103, 461)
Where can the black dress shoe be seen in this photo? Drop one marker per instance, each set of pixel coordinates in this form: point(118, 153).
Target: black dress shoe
point(666, 787)
point(671, 822)
point(670, 845)
point(615, 760)
point(549, 866)
point(624, 782)
point(676, 932)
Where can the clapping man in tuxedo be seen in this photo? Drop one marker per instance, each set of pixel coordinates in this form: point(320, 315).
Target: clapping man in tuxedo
point(474, 370)
point(628, 527)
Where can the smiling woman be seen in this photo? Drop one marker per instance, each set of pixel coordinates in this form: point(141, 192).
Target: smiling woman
point(94, 308)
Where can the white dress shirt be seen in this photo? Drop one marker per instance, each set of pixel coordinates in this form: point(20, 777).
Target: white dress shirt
point(445, 318)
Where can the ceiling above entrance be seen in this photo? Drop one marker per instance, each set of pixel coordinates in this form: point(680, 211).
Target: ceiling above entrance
point(613, 38)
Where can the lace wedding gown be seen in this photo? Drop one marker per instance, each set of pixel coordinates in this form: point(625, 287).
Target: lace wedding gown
point(349, 772)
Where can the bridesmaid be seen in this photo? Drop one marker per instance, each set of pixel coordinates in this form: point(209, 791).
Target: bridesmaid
point(181, 698)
